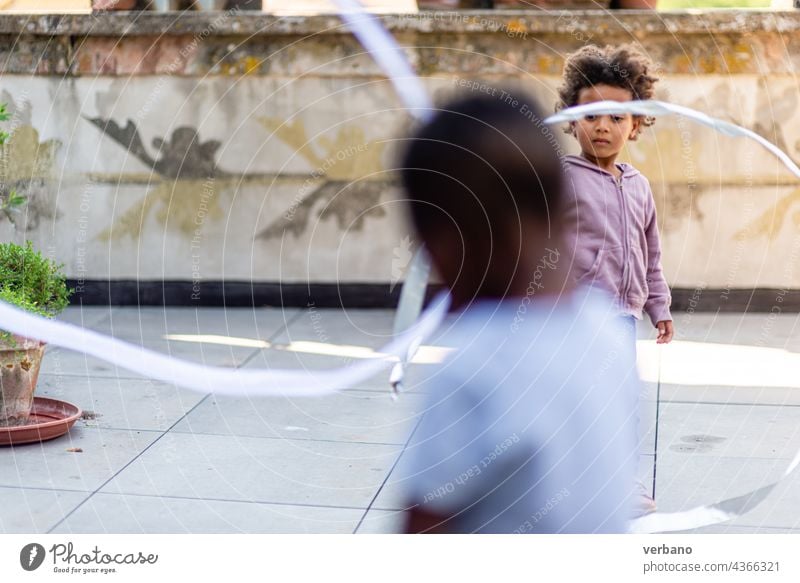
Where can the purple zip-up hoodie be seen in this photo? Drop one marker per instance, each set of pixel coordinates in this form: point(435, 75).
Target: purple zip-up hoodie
point(612, 237)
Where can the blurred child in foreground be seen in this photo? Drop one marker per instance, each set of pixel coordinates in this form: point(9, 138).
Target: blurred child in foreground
point(528, 427)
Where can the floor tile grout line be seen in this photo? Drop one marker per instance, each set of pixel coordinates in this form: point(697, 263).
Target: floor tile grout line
point(388, 475)
point(43, 489)
point(726, 457)
point(272, 337)
point(754, 527)
point(367, 391)
point(276, 437)
point(284, 438)
point(159, 438)
point(234, 500)
point(190, 498)
point(124, 467)
point(655, 437)
point(735, 404)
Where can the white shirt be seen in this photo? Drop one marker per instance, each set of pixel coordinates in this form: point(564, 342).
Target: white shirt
point(530, 426)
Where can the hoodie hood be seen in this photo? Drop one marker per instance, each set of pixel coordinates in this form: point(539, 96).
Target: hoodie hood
point(627, 170)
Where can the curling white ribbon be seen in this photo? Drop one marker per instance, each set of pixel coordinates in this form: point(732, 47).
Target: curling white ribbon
point(216, 379)
point(710, 514)
point(657, 108)
point(383, 48)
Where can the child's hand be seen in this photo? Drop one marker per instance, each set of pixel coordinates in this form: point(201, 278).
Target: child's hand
point(665, 332)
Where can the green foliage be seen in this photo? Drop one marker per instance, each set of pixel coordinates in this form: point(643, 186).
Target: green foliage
point(13, 201)
point(32, 282)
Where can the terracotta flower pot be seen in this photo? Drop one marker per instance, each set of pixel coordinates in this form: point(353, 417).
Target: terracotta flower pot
point(19, 370)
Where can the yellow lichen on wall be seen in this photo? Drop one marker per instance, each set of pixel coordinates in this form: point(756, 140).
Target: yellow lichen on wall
point(770, 223)
point(22, 157)
point(184, 205)
point(348, 156)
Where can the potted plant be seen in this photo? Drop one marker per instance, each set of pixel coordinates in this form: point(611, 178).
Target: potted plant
point(36, 284)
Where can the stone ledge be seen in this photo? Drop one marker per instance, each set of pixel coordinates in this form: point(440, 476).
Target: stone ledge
point(494, 43)
point(469, 21)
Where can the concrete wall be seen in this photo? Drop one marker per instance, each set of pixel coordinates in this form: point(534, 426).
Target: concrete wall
point(242, 146)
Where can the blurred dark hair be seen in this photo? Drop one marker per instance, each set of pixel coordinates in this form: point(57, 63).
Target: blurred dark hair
point(480, 164)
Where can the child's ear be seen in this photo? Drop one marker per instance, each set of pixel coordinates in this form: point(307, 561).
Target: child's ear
point(637, 123)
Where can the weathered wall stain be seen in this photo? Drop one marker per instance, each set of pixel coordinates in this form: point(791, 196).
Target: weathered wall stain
point(21, 112)
point(347, 178)
point(348, 156)
point(183, 156)
point(770, 223)
point(677, 202)
point(349, 203)
point(730, 56)
point(188, 169)
point(678, 153)
point(772, 111)
point(27, 167)
point(25, 158)
point(677, 145)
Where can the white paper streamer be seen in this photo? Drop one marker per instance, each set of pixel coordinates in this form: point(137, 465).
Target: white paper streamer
point(657, 108)
point(383, 48)
point(710, 514)
point(215, 379)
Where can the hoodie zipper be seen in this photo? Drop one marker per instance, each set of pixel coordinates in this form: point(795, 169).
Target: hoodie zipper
point(626, 259)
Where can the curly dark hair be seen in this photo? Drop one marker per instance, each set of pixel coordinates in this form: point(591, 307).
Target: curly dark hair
point(622, 66)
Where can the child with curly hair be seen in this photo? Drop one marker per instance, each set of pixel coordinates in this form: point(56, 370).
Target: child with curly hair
point(610, 215)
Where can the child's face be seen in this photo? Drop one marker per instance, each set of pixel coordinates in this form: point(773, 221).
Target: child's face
point(602, 137)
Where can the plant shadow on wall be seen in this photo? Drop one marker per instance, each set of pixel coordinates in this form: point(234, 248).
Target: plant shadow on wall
point(26, 169)
point(346, 183)
point(679, 200)
point(770, 123)
point(10, 200)
point(184, 167)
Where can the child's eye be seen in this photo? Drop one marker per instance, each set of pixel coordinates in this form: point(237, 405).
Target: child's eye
point(618, 118)
point(590, 117)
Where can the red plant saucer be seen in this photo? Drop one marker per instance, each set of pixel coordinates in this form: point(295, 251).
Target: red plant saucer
point(50, 418)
